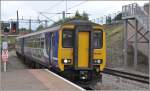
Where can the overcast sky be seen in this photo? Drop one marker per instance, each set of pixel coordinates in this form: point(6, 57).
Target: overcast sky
point(30, 9)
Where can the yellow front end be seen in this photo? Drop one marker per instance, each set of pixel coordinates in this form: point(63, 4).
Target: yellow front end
point(64, 53)
point(82, 51)
point(101, 53)
point(83, 54)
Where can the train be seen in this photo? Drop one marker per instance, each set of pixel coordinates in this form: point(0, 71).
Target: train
point(75, 48)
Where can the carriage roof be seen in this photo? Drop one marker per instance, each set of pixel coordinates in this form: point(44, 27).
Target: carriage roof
point(51, 29)
point(56, 28)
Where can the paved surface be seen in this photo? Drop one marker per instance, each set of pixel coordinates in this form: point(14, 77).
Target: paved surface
point(20, 78)
point(34, 79)
point(14, 63)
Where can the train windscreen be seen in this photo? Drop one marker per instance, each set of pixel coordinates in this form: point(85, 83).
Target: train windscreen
point(67, 38)
point(97, 39)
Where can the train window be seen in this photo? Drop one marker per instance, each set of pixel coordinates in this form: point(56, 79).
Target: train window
point(47, 41)
point(67, 38)
point(97, 39)
point(42, 42)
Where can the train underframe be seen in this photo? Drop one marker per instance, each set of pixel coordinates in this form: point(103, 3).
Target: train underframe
point(83, 76)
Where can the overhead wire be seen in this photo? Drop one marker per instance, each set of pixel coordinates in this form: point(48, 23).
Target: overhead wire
point(55, 5)
point(77, 4)
point(71, 6)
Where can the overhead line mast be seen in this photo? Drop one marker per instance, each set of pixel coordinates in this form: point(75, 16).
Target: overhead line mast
point(64, 13)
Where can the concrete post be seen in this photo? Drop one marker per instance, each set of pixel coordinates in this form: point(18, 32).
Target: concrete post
point(4, 63)
point(17, 22)
point(135, 44)
point(30, 25)
point(45, 23)
point(125, 42)
point(149, 39)
point(4, 49)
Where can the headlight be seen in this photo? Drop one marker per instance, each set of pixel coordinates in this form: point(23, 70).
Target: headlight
point(83, 75)
point(97, 61)
point(66, 61)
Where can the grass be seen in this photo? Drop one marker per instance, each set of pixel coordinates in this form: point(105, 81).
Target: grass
point(11, 42)
point(11, 39)
point(114, 40)
point(114, 30)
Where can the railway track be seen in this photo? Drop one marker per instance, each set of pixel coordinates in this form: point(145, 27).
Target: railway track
point(127, 75)
point(82, 86)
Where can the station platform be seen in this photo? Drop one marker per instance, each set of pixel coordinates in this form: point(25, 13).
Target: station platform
point(35, 80)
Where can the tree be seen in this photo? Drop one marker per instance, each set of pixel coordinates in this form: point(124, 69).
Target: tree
point(77, 15)
point(118, 17)
point(39, 28)
point(23, 30)
point(108, 20)
point(85, 16)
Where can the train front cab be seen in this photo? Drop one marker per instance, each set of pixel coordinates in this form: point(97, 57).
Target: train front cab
point(77, 52)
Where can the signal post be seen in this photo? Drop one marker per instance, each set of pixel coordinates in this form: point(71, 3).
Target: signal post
point(4, 53)
point(5, 58)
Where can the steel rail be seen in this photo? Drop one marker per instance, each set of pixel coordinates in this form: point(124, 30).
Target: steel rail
point(127, 75)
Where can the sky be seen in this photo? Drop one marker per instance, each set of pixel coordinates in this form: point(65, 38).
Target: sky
point(31, 9)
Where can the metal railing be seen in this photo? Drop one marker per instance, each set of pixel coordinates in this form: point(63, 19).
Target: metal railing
point(135, 11)
point(129, 10)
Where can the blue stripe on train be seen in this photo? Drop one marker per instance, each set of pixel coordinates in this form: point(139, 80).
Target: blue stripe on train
point(47, 38)
point(55, 47)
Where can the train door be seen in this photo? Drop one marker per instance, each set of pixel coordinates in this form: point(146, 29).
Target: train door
point(51, 47)
point(48, 45)
point(83, 49)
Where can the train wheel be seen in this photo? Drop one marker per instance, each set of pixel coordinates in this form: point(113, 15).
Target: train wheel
point(37, 66)
point(29, 63)
point(25, 60)
point(40, 66)
point(33, 65)
point(69, 74)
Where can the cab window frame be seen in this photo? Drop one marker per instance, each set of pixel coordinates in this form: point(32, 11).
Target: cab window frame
point(64, 30)
point(101, 46)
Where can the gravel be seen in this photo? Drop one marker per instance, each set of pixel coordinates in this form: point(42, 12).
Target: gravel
point(110, 82)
